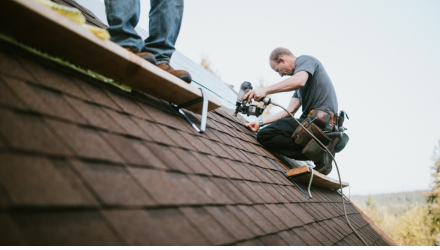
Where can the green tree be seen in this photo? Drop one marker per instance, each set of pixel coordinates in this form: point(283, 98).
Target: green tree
point(371, 210)
point(433, 199)
point(410, 229)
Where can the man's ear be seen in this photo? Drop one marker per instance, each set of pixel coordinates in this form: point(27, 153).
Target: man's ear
point(281, 59)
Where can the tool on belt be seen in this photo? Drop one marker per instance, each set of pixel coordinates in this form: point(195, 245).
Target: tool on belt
point(327, 127)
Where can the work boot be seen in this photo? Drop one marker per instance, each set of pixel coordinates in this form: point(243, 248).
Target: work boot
point(145, 55)
point(182, 74)
point(324, 165)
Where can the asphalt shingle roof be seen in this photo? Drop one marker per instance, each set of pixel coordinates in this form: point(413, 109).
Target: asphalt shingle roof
point(84, 163)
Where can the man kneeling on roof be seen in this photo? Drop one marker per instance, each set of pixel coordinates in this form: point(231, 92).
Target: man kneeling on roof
point(314, 91)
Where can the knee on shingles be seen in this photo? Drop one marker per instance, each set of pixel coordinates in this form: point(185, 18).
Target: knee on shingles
point(263, 136)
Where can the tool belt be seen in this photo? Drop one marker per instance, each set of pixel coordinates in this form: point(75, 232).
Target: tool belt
point(320, 123)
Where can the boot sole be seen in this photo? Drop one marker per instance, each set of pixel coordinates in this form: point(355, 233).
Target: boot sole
point(186, 78)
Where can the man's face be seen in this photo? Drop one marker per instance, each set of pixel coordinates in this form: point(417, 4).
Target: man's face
point(282, 67)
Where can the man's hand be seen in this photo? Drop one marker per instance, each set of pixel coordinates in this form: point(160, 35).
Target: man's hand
point(253, 126)
point(256, 94)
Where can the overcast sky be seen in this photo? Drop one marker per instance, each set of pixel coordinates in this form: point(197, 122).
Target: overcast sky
point(383, 59)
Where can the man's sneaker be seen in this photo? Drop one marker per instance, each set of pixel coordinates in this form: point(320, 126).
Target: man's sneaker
point(324, 165)
point(145, 55)
point(182, 74)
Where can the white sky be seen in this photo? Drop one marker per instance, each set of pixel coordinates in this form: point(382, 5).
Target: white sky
point(382, 56)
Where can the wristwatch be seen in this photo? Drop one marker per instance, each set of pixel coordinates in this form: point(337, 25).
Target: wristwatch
point(261, 121)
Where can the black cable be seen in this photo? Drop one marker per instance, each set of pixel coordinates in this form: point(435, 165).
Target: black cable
point(337, 168)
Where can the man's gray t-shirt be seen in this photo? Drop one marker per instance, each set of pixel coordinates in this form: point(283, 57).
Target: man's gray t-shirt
point(318, 92)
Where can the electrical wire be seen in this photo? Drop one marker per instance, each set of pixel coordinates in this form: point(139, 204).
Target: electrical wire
point(337, 168)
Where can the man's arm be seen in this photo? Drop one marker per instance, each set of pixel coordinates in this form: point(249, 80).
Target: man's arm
point(294, 105)
point(294, 82)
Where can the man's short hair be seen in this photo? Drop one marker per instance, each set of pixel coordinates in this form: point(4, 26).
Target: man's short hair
point(278, 52)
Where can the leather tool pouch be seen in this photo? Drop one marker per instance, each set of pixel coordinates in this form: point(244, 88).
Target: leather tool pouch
point(303, 138)
point(313, 151)
point(299, 130)
point(324, 119)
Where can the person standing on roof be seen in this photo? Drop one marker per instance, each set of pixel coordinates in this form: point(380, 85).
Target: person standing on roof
point(165, 21)
point(313, 90)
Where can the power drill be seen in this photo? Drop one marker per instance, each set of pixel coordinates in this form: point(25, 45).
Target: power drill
point(249, 109)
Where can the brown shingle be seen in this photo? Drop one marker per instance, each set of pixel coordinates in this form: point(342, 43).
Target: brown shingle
point(161, 117)
point(129, 126)
point(337, 231)
point(154, 131)
point(29, 132)
point(169, 157)
point(247, 221)
point(235, 194)
point(273, 240)
point(94, 93)
point(177, 137)
point(259, 173)
point(214, 147)
point(244, 187)
point(154, 227)
point(342, 223)
point(275, 192)
point(233, 224)
point(65, 228)
point(259, 219)
point(113, 184)
point(11, 66)
point(210, 188)
point(248, 173)
point(128, 105)
point(269, 177)
point(291, 238)
point(262, 192)
point(296, 193)
point(253, 242)
point(325, 225)
point(37, 181)
point(10, 233)
point(226, 166)
point(134, 151)
point(265, 211)
point(52, 76)
point(318, 235)
point(284, 214)
point(95, 115)
point(196, 143)
point(302, 214)
point(3, 200)
point(306, 236)
point(323, 208)
point(190, 158)
point(170, 188)
point(75, 137)
point(208, 226)
point(207, 164)
point(313, 211)
point(230, 151)
point(44, 101)
point(8, 97)
point(286, 193)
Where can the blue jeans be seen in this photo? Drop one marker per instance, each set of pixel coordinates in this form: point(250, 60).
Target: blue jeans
point(165, 21)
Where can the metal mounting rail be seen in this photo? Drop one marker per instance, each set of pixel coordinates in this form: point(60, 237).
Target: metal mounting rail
point(203, 99)
point(290, 178)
